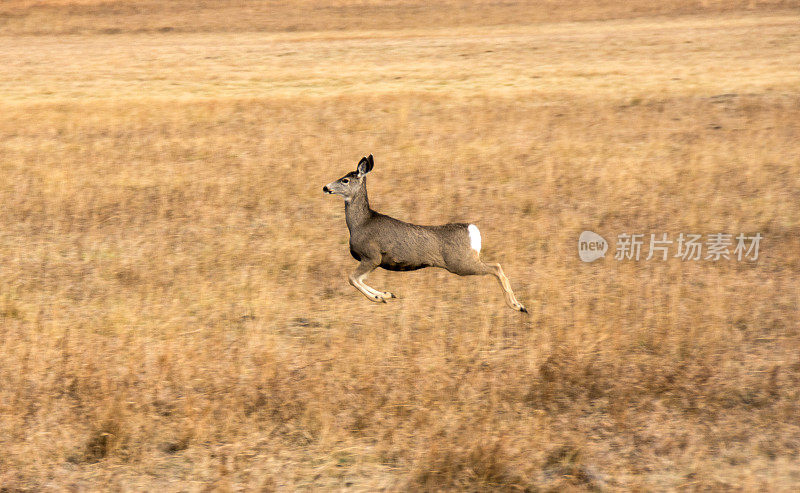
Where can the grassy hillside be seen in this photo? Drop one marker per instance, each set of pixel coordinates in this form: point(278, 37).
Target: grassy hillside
point(174, 305)
point(153, 16)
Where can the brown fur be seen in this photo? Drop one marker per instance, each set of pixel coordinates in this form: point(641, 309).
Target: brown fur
point(378, 240)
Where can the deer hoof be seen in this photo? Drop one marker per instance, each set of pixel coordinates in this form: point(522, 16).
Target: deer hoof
point(523, 309)
point(391, 295)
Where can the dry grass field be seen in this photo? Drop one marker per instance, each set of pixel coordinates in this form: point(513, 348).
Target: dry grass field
point(174, 307)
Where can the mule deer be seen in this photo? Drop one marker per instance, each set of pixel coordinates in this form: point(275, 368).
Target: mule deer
point(377, 240)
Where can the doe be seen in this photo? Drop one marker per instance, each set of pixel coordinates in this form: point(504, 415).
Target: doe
point(377, 240)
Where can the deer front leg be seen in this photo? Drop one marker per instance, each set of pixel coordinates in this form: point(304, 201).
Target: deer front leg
point(357, 281)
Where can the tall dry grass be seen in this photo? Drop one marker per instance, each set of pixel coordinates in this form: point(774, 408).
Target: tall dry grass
point(175, 303)
point(174, 310)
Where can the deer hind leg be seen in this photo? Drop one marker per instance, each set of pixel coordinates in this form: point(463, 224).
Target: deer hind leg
point(471, 265)
point(511, 300)
point(357, 281)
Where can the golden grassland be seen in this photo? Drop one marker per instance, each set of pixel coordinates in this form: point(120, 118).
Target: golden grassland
point(174, 308)
point(156, 16)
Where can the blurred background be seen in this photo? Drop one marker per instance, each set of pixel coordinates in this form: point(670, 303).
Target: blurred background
point(174, 304)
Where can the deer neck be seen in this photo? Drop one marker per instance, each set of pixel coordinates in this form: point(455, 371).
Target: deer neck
point(356, 210)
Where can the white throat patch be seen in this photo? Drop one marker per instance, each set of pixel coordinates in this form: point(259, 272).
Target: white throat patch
point(474, 238)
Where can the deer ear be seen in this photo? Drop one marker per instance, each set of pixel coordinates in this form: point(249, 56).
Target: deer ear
point(364, 166)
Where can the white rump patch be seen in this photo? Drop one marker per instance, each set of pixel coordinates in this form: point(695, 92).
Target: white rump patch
point(474, 238)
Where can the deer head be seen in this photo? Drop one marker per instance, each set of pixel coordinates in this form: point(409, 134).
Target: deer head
point(353, 182)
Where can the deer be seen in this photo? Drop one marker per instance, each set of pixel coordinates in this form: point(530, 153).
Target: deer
point(378, 240)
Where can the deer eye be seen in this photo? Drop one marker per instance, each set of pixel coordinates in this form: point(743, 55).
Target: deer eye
point(345, 180)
